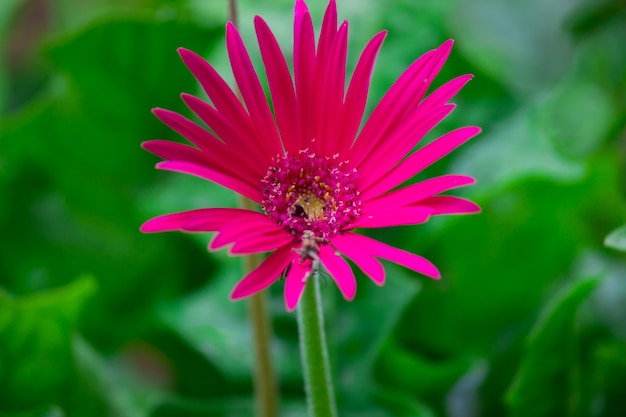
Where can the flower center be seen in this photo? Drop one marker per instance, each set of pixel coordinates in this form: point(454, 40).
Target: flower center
point(310, 192)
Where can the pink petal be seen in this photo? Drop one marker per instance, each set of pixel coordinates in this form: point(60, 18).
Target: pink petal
point(400, 142)
point(414, 194)
point(304, 70)
point(339, 269)
point(224, 99)
point(264, 275)
point(367, 263)
point(199, 220)
point(225, 180)
point(400, 216)
point(252, 225)
point(389, 111)
point(400, 101)
point(296, 281)
point(188, 129)
point(356, 97)
point(173, 151)
point(327, 42)
point(447, 204)
point(216, 156)
point(329, 29)
point(419, 160)
point(281, 85)
point(431, 70)
point(395, 255)
point(252, 92)
point(445, 93)
point(331, 94)
point(261, 243)
point(300, 8)
point(234, 134)
point(214, 219)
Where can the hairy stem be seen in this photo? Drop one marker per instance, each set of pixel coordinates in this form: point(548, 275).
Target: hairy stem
point(315, 363)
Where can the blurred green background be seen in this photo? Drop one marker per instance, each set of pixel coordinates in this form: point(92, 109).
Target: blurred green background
point(97, 319)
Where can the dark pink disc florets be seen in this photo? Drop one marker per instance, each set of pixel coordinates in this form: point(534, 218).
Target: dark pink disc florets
point(310, 192)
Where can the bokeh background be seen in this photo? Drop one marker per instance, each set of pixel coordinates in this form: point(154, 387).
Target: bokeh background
point(97, 319)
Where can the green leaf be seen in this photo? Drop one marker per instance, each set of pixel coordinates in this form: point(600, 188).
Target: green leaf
point(591, 106)
point(547, 382)
point(220, 407)
point(107, 388)
point(359, 335)
point(219, 328)
point(215, 326)
point(516, 149)
point(608, 377)
point(401, 405)
point(518, 57)
point(358, 345)
point(617, 239)
point(36, 332)
point(76, 160)
point(43, 411)
point(118, 70)
point(409, 372)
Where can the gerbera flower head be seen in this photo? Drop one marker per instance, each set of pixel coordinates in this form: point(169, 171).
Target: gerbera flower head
point(314, 175)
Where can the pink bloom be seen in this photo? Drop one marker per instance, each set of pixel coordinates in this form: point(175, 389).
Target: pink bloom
point(315, 176)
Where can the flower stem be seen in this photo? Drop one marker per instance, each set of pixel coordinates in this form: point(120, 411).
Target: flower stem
point(315, 363)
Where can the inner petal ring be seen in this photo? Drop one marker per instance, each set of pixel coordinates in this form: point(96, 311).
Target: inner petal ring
point(310, 192)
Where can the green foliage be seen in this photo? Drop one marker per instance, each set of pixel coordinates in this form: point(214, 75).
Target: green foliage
point(154, 333)
point(548, 381)
point(617, 239)
point(36, 332)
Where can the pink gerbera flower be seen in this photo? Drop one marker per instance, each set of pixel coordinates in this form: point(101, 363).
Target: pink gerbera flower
point(313, 174)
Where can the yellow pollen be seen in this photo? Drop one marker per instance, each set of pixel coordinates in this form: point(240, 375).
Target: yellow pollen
point(312, 205)
point(316, 178)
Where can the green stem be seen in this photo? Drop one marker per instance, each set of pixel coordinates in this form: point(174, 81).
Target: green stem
point(315, 363)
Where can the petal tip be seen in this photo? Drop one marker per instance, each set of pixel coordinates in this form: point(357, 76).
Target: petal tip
point(231, 28)
point(300, 7)
point(237, 294)
point(152, 226)
point(350, 296)
point(162, 165)
point(291, 302)
point(433, 273)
